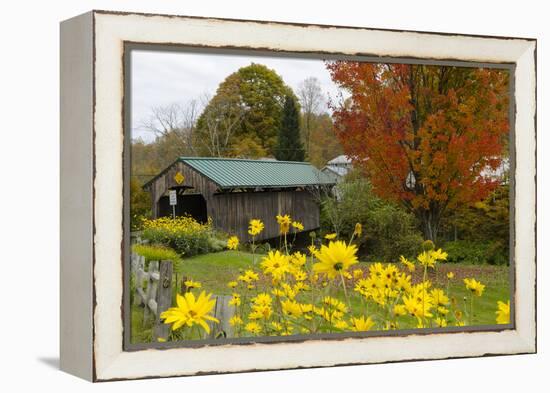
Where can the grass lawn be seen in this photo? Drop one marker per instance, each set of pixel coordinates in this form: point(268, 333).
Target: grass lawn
point(215, 270)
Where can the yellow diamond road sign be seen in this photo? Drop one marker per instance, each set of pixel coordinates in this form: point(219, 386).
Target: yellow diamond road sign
point(179, 178)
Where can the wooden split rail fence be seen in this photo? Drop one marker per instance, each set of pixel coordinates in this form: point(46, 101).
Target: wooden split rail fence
point(154, 293)
point(156, 296)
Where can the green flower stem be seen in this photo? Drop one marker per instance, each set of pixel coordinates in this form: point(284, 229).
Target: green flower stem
point(472, 309)
point(345, 290)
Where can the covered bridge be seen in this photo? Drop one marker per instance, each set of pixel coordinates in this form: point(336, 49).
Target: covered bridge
point(233, 191)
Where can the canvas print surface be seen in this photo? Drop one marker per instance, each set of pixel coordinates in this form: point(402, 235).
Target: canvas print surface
point(281, 197)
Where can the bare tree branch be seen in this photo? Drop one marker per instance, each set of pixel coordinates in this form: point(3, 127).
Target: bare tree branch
point(174, 119)
point(311, 99)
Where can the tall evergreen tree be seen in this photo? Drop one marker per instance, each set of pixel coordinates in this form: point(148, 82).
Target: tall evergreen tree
point(289, 144)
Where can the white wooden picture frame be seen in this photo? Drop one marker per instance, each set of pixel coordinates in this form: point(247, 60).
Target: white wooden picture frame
point(93, 195)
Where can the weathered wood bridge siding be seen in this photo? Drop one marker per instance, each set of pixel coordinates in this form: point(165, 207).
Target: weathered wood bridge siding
point(231, 207)
point(232, 211)
point(196, 182)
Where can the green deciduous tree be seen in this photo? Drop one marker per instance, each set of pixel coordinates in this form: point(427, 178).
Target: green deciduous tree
point(252, 100)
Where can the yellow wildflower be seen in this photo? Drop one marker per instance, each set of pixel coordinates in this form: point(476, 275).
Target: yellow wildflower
point(235, 300)
point(262, 299)
point(474, 286)
point(357, 274)
point(255, 227)
point(503, 312)
point(248, 276)
point(399, 310)
point(312, 250)
point(330, 236)
point(440, 322)
point(260, 312)
point(442, 310)
point(292, 308)
point(190, 284)
point(232, 284)
point(439, 255)
point(416, 307)
point(278, 292)
point(190, 311)
point(340, 324)
point(450, 275)
point(235, 320)
point(253, 327)
point(335, 304)
point(284, 223)
point(298, 259)
point(361, 324)
point(358, 229)
point(407, 263)
point(376, 269)
point(426, 259)
point(328, 315)
point(233, 243)
point(289, 292)
point(335, 259)
point(298, 226)
point(363, 286)
point(403, 282)
point(275, 264)
point(301, 286)
point(299, 275)
point(439, 297)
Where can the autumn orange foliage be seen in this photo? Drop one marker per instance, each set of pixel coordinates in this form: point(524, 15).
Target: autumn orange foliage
point(424, 135)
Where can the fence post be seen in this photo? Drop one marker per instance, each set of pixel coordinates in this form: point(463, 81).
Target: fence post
point(151, 290)
point(223, 312)
point(164, 299)
point(139, 277)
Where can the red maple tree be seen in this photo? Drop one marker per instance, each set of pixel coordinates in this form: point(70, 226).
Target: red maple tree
point(424, 135)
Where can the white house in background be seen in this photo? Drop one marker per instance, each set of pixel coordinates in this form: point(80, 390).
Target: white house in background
point(338, 168)
point(500, 173)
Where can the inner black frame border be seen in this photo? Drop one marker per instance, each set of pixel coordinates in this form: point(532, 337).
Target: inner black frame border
point(130, 46)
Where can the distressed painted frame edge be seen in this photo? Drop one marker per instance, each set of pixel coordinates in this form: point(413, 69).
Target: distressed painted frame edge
point(108, 360)
point(76, 196)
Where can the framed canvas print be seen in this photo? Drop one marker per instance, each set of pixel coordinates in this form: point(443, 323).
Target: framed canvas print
point(247, 195)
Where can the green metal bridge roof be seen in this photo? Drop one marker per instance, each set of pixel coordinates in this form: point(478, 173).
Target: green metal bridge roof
point(245, 173)
point(235, 173)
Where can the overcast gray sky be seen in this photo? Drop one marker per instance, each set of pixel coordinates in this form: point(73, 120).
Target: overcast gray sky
point(163, 78)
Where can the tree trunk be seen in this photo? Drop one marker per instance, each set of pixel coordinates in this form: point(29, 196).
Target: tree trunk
point(430, 224)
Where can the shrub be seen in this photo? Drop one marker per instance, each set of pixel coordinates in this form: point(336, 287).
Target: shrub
point(156, 253)
point(140, 205)
point(389, 231)
point(184, 234)
point(493, 253)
